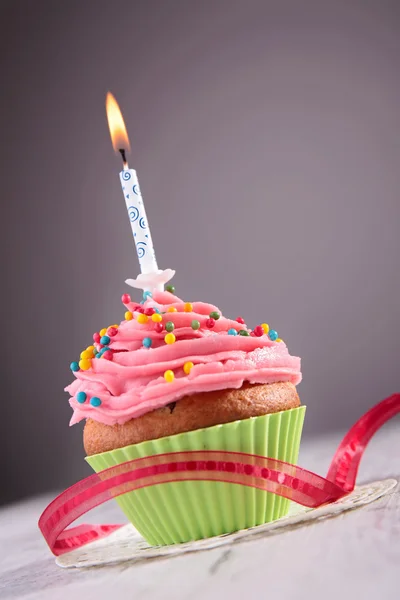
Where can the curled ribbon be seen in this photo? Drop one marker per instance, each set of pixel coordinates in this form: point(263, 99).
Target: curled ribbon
point(271, 475)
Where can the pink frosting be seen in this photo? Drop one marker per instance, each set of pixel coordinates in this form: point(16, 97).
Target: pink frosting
point(133, 383)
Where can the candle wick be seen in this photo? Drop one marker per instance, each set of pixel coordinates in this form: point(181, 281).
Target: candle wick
point(123, 154)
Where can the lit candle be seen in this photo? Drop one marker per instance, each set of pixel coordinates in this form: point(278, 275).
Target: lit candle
point(151, 277)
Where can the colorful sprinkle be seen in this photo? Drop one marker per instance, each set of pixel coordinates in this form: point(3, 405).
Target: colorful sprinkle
point(74, 366)
point(103, 331)
point(195, 324)
point(81, 397)
point(105, 340)
point(91, 348)
point(141, 318)
point(85, 364)
point(258, 331)
point(188, 307)
point(108, 354)
point(187, 367)
point(98, 355)
point(111, 331)
point(147, 342)
point(149, 311)
point(95, 401)
point(172, 309)
point(279, 340)
point(273, 335)
point(128, 316)
point(170, 289)
point(169, 376)
point(125, 298)
point(240, 320)
point(214, 315)
point(243, 332)
point(232, 331)
point(158, 327)
point(169, 338)
point(86, 354)
point(210, 323)
point(169, 326)
point(96, 337)
point(156, 318)
point(265, 327)
point(147, 295)
point(139, 309)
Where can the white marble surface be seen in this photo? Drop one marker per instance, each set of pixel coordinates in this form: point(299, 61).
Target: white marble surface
point(356, 554)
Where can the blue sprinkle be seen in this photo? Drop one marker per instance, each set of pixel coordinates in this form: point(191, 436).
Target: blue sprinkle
point(98, 355)
point(81, 397)
point(95, 401)
point(147, 342)
point(104, 350)
point(273, 335)
point(232, 331)
point(74, 366)
point(157, 310)
point(105, 340)
point(147, 295)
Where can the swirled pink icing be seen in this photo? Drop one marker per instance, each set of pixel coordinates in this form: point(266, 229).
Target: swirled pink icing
point(133, 383)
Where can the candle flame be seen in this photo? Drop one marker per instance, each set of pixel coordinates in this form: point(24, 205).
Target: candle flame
point(119, 136)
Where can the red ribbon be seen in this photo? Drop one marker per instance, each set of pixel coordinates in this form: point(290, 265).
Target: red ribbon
point(281, 478)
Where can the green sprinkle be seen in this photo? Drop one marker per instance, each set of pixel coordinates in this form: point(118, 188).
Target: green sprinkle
point(169, 326)
point(170, 289)
point(195, 324)
point(215, 315)
point(243, 332)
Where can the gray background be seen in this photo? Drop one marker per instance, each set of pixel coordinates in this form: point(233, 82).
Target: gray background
point(266, 137)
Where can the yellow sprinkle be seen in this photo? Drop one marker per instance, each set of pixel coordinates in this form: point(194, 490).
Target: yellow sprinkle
point(91, 348)
point(156, 318)
point(188, 307)
point(141, 318)
point(87, 354)
point(85, 364)
point(172, 309)
point(169, 338)
point(265, 326)
point(187, 367)
point(169, 376)
point(279, 340)
point(116, 326)
point(103, 331)
point(128, 316)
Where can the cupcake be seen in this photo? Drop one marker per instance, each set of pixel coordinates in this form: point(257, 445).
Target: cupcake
point(177, 376)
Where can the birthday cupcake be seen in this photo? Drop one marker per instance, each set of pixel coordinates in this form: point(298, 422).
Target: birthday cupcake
point(178, 376)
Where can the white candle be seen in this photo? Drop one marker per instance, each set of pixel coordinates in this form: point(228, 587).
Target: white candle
point(151, 276)
point(138, 219)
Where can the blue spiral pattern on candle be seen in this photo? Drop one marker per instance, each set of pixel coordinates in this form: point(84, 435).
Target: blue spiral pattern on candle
point(136, 190)
point(126, 175)
point(133, 213)
point(142, 223)
point(141, 250)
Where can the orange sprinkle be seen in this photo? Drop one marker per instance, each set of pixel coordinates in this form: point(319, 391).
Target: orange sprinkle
point(187, 367)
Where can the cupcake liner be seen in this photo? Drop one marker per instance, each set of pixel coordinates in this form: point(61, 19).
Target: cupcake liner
point(183, 511)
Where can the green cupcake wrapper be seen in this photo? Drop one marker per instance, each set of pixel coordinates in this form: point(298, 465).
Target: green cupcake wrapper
point(182, 511)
